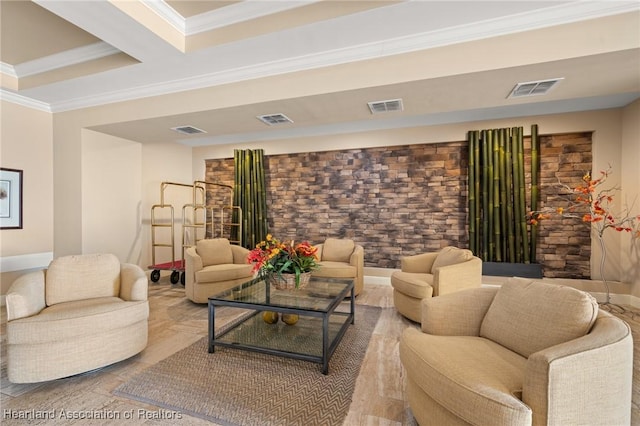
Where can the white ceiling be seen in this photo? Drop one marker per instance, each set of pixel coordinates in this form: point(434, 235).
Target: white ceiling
point(449, 61)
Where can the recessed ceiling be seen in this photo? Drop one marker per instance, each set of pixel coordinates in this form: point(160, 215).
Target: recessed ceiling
point(321, 62)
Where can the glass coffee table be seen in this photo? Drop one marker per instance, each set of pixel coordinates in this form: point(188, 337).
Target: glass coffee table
point(314, 337)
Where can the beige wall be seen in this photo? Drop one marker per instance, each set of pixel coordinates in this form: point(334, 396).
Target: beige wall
point(111, 196)
point(630, 248)
point(26, 144)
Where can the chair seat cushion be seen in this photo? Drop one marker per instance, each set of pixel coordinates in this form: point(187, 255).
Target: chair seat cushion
point(474, 378)
point(70, 320)
point(413, 284)
point(227, 272)
point(329, 269)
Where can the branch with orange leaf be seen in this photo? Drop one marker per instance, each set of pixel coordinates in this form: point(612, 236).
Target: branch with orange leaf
point(597, 205)
point(594, 206)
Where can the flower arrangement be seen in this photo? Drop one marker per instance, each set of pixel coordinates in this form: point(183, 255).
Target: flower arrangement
point(274, 257)
point(593, 205)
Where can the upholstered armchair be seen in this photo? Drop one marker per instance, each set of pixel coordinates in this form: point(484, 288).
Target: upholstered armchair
point(213, 266)
point(84, 312)
point(341, 258)
point(433, 274)
point(529, 353)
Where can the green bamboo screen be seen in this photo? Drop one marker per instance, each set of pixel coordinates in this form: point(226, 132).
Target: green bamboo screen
point(498, 207)
point(250, 194)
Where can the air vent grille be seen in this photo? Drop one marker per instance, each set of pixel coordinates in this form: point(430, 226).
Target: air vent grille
point(377, 107)
point(273, 119)
point(533, 88)
point(188, 130)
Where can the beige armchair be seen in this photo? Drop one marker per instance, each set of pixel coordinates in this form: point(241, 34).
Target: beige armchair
point(213, 266)
point(83, 313)
point(341, 258)
point(433, 274)
point(528, 353)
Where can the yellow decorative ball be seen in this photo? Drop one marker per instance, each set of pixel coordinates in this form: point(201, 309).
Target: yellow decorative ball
point(270, 317)
point(290, 319)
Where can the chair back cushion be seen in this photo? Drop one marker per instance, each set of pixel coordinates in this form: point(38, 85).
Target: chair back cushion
point(451, 256)
point(214, 251)
point(527, 316)
point(80, 277)
point(337, 250)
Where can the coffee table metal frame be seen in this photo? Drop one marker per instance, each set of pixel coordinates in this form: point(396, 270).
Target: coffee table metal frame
point(264, 298)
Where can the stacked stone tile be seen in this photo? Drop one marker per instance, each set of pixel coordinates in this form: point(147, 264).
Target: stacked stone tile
point(404, 200)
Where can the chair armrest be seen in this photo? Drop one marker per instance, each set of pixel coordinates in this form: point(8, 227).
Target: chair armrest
point(26, 296)
point(240, 254)
point(357, 257)
point(583, 381)
point(134, 284)
point(418, 263)
point(192, 264)
point(457, 314)
point(192, 260)
point(452, 278)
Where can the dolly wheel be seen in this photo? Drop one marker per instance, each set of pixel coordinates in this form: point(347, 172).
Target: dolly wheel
point(182, 278)
point(175, 277)
point(155, 275)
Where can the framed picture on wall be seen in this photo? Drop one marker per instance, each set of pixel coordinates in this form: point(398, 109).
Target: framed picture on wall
point(10, 199)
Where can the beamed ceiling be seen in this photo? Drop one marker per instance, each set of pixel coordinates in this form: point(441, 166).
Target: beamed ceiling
point(317, 62)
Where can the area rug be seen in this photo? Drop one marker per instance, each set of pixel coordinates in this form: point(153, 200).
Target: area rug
point(235, 387)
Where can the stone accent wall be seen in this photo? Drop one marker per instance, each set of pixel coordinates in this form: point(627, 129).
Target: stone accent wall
point(564, 244)
point(401, 200)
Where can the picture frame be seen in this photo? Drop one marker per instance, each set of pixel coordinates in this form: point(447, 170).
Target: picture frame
point(10, 198)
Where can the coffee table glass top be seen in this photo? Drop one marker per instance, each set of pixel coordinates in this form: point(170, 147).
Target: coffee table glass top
point(319, 295)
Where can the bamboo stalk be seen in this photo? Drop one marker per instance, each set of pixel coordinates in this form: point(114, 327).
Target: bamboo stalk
point(503, 194)
point(236, 194)
point(535, 167)
point(516, 193)
point(477, 179)
point(522, 199)
point(485, 198)
point(247, 198)
point(510, 222)
point(497, 234)
point(472, 141)
point(263, 198)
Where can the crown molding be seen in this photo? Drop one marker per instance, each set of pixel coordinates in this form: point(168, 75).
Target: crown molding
point(8, 70)
point(15, 98)
point(238, 12)
point(222, 17)
point(166, 12)
point(64, 59)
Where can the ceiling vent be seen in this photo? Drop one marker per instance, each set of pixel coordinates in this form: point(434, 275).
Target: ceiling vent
point(188, 130)
point(385, 106)
point(533, 88)
point(272, 119)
